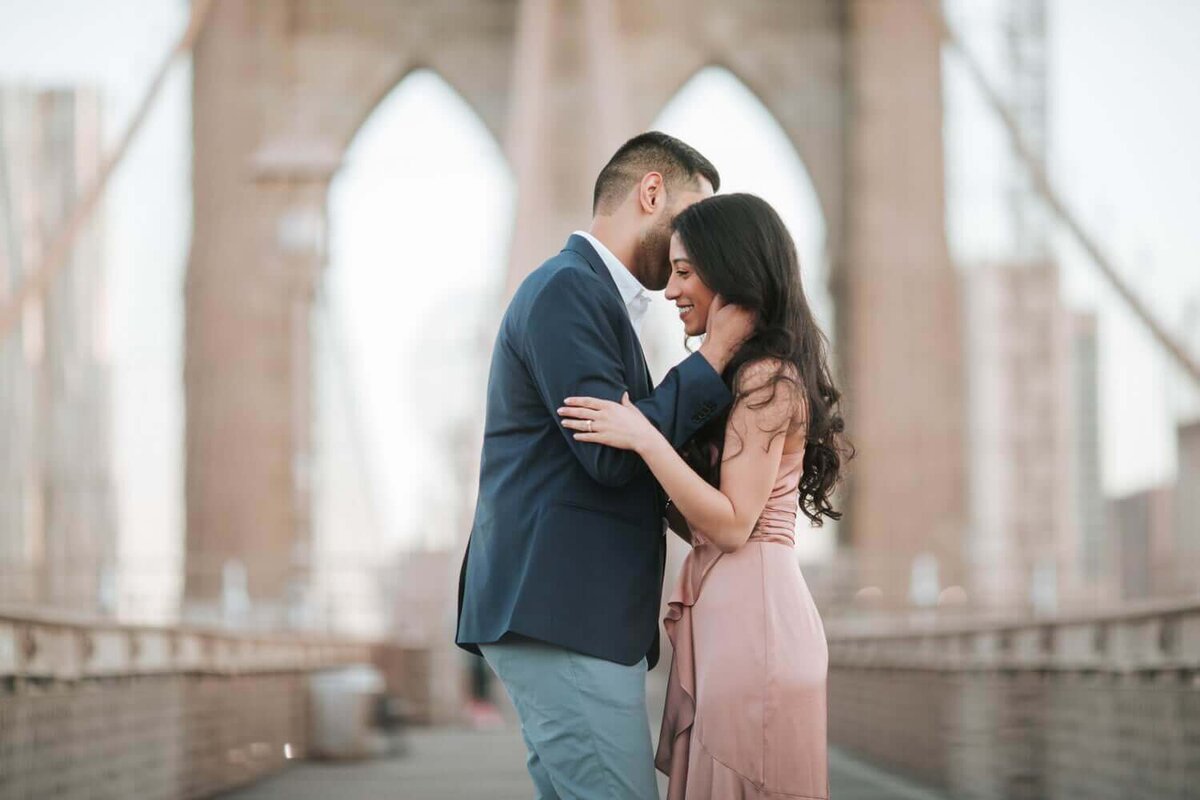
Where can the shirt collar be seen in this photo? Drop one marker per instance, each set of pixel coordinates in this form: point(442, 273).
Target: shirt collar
point(629, 286)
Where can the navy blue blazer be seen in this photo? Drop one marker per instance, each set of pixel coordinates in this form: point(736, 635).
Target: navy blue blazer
point(567, 545)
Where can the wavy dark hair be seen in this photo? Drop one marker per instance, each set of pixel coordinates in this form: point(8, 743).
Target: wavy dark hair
point(742, 250)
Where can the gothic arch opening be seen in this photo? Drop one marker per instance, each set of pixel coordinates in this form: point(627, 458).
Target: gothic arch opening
point(419, 215)
point(716, 113)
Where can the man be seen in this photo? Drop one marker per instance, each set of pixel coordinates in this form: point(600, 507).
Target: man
point(562, 580)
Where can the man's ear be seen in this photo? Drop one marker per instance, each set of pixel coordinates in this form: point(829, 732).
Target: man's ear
point(652, 192)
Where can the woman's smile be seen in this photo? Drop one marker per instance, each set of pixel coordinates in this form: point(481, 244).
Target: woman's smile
point(685, 288)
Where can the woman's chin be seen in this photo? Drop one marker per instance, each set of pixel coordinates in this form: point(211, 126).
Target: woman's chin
point(694, 329)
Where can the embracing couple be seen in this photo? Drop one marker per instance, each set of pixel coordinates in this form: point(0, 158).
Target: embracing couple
point(586, 463)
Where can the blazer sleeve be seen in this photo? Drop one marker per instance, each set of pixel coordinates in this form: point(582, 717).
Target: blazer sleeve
point(572, 349)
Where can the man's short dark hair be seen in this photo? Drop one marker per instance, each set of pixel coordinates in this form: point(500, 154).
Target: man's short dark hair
point(652, 151)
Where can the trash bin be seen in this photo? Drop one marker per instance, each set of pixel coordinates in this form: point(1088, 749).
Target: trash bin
point(343, 703)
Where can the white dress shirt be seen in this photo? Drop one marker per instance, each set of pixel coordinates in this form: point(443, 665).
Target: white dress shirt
point(637, 301)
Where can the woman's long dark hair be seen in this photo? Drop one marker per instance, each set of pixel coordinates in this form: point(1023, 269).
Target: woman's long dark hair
point(741, 249)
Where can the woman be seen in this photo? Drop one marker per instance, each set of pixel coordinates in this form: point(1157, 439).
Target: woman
point(745, 714)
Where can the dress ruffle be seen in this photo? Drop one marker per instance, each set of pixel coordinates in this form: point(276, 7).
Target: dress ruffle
point(674, 738)
point(679, 713)
point(763, 668)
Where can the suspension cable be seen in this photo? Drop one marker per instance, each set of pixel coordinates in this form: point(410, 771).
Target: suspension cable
point(40, 277)
point(1048, 194)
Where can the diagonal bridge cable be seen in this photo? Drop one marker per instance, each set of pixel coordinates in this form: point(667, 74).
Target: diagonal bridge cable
point(42, 274)
point(1046, 191)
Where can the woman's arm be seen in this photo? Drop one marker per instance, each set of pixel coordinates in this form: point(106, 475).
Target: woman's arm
point(754, 440)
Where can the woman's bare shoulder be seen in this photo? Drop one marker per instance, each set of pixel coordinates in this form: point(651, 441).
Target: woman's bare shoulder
point(772, 392)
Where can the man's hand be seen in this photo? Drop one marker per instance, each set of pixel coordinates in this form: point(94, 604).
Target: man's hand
point(728, 327)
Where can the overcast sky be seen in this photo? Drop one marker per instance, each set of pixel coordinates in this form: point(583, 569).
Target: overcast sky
point(1125, 120)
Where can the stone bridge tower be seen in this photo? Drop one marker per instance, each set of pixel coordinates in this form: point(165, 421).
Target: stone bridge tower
point(281, 87)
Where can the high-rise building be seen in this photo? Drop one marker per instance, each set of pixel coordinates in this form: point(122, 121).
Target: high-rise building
point(1023, 28)
point(1020, 431)
point(1091, 556)
point(1037, 514)
point(1186, 541)
point(57, 528)
point(1156, 531)
point(1142, 527)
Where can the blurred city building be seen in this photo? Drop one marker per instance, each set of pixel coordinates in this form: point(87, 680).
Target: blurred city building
point(1021, 527)
point(1033, 429)
point(1144, 529)
point(1092, 557)
point(1039, 536)
point(1186, 539)
point(57, 525)
point(1156, 531)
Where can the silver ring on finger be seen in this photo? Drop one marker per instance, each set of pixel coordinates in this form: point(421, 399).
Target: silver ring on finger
point(589, 426)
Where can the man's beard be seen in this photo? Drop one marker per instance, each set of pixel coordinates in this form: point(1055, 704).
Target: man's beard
point(653, 257)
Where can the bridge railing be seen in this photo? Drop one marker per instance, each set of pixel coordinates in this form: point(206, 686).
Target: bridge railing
point(1097, 705)
point(100, 709)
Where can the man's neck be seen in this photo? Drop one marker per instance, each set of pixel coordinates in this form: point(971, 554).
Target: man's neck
point(621, 246)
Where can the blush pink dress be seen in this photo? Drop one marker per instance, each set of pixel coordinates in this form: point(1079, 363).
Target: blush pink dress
point(745, 713)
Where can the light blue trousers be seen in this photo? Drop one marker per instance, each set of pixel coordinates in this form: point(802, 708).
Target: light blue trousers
point(583, 719)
